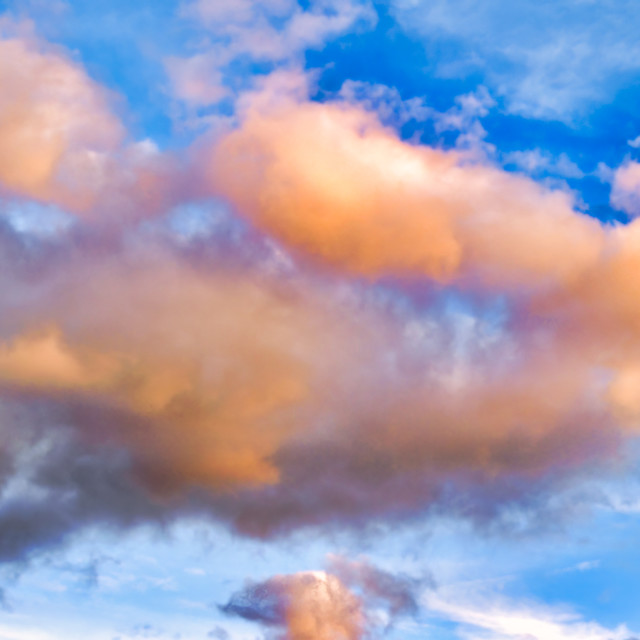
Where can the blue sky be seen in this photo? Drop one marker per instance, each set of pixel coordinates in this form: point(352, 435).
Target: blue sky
point(319, 320)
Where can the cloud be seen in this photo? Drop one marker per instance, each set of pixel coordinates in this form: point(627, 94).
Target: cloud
point(394, 111)
point(276, 32)
point(464, 117)
point(537, 162)
point(197, 80)
point(268, 404)
point(274, 399)
point(304, 605)
point(625, 190)
point(61, 140)
point(386, 102)
point(301, 324)
point(397, 593)
point(377, 205)
point(279, 29)
point(397, 330)
point(55, 124)
point(278, 403)
point(585, 565)
point(489, 616)
point(518, 48)
point(324, 605)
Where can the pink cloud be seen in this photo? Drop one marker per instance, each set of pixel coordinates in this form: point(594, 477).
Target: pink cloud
point(625, 191)
point(56, 127)
point(330, 182)
point(276, 399)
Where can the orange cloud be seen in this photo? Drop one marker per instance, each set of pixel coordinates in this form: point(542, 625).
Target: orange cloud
point(56, 127)
point(289, 404)
point(352, 601)
point(282, 400)
point(311, 605)
point(329, 181)
point(61, 141)
point(321, 607)
point(41, 360)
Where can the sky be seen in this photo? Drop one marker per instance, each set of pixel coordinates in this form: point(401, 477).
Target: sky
point(319, 320)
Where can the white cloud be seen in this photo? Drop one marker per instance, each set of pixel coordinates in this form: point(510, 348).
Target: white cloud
point(549, 60)
point(625, 190)
point(491, 616)
point(277, 32)
point(535, 161)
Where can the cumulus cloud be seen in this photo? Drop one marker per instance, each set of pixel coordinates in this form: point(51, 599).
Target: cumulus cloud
point(344, 605)
point(217, 381)
point(62, 141)
point(55, 123)
point(445, 336)
point(376, 205)
point(304, 605)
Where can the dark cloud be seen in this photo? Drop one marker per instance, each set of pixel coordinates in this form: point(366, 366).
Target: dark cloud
point(75, 472)
point(264, 602)
point(61, 483)
point(398, 593)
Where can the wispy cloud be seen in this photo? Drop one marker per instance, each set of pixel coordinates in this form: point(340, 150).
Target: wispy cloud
point(490, 616)
point(548, 61)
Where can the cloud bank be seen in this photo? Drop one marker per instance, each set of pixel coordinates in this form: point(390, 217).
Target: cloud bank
point(397, 330)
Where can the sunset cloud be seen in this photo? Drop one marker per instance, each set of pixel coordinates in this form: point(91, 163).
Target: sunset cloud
point(375, 205)
point(305, 605)
point(347, 604)
point(292, 401)
point(63, 141)
point(276, 405)
point(272, 285)
point(56, 125)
